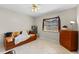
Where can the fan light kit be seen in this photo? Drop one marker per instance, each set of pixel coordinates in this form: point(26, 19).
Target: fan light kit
point(34, 8)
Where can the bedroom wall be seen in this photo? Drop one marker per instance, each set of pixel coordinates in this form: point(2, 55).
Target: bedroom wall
point(65, 16)
point(12, 21)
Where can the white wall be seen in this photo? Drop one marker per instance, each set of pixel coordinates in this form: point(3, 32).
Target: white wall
point(12, 21)
point(65, 16)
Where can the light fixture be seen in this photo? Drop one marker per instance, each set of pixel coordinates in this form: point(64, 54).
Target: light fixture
point(34, 8)
point(72, 24)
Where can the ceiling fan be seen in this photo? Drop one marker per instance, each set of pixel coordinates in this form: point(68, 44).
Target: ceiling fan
point(35, 7)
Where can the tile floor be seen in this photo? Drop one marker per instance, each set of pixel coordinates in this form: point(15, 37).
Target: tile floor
point(40, 46)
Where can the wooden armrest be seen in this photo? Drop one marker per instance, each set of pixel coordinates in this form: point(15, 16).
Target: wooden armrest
point(9, 39)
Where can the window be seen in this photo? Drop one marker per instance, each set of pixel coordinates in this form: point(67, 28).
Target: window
point(51, 24)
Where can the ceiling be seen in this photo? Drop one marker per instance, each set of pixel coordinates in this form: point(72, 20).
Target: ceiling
point(43, 8)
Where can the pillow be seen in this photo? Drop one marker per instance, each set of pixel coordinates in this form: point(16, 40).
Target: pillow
point(20, 32)
point(24, 32)
point(8, 34)
point(16, 34)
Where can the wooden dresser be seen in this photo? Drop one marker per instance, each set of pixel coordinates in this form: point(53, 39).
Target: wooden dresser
point(69, 39)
